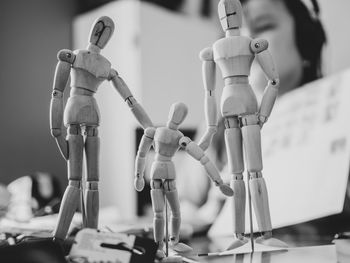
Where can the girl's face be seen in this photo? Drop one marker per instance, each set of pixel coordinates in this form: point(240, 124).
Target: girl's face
point(270, 19)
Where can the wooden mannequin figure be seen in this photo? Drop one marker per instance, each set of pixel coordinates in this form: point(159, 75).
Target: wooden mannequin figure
point(87, 70)
point(234, 55)
point(167, 140)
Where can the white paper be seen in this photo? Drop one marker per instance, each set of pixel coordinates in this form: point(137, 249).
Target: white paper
point(306, 155)
point(88, 243)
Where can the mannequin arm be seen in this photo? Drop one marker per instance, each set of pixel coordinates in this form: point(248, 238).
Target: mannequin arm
point(197, 153)
point(63, 68)
point(124, 91)
point(140, 162)
point(264, 58)
point(210, 107)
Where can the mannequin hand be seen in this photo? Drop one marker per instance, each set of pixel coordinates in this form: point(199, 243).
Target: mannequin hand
point(262, 120)
point(224, 188)
point(207, 137)
point(139, 183)
point(56, 132)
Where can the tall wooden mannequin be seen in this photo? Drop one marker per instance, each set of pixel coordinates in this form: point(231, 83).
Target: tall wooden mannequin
point(167, 140)
point(87, 70)
point(234, 55)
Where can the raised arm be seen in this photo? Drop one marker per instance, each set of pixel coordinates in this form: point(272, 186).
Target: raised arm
point(126, 94)
point(65, 60)
point(140, 162)
point(210, 107)
point(264, 58)
point(197, 153)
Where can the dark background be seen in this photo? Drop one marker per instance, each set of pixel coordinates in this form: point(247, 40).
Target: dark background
point(31, 34)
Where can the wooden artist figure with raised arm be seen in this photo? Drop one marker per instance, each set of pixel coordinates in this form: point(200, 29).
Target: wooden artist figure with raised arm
point(87, 70)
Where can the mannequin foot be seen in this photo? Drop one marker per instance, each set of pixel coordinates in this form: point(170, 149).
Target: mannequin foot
point(226, 190)
point(239, 240)
point(160, 254)
point(178, 246)
point(267, 240)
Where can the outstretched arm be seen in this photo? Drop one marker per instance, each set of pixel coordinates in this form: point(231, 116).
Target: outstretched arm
point(196, 152)
point(210, 107)
point(140, 162)
point(259, 47)
point(126, 94)
point(66, 59)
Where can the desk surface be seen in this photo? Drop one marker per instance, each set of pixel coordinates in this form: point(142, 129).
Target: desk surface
point(312, 250)
point(306, 248)
point(314, 254)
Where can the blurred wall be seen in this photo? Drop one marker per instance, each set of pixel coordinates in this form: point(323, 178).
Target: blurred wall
point(31, 34)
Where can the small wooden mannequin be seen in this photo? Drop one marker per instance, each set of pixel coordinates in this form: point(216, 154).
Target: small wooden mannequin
point(234, 55)
point(167, 140)
point(88, 69)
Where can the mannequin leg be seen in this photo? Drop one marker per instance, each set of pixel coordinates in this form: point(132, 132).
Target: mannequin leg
point(92, 151)
point(233, 141)
point(72, 194)
point(158, 203)
point(175, 219)
point(252, 145)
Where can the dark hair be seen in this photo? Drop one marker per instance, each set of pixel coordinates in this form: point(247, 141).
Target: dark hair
point(310, 36)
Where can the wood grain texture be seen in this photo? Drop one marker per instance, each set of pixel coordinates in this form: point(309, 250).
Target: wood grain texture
point(92, 153)
point(238, 206)
point(252, 145)
point(69, 205)
point(261, 203)
point(91, 207)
